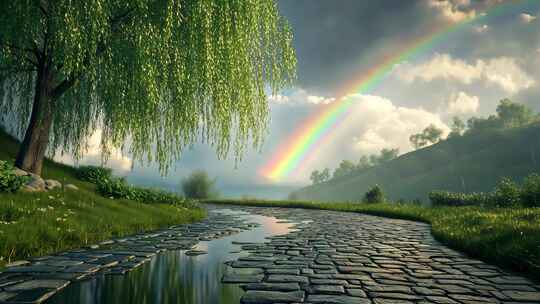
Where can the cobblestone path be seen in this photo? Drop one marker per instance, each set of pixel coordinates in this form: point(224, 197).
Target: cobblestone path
point(351, 258)
point(38, 279)
point(331, 257)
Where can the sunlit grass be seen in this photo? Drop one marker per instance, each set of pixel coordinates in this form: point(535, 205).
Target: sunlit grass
point(506, 237)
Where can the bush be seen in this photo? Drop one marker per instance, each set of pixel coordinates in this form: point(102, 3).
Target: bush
point(446, 198)
point(375, 195)
point(94, 174)
point(506, 194)
point(118, 188)
point(530, 191)
point(198, 186)
point(9, 181)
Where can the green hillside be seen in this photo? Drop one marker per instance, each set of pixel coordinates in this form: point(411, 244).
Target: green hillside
point(469, 163)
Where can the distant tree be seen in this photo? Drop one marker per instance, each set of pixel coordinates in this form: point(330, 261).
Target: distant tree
point(431, 134)
point(374, 195)
point(315, 177)
point(509, 115)
point(198, 186)
point(318, 177)
point(388, 155)
point(458, 127)
point(345, 168)
point(513, 114)
point(364, 163)
point(159, 74)
point(325, 175)
point(476, 124)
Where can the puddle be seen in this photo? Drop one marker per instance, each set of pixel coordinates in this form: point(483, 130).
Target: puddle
point(174, 277)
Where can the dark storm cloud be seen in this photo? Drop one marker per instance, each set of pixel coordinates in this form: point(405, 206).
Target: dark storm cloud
point(331, 36)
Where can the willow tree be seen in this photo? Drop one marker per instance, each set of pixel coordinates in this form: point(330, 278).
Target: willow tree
point(156, 74)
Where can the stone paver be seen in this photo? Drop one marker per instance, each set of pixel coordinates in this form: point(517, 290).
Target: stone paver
point(352, 258)
point(37, 280)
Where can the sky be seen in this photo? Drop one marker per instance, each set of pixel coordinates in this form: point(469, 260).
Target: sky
point(464, 75)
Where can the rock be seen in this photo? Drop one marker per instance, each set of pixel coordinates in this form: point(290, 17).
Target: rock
point(195, 252)
point(35, 184)
point(52, 184)
point(242, 278)
point(71, 187)
point(18, 263)
point(20, 172)
point(273, 286)
point(263, 297)
point(277, 278)
point(337, 299)
point(33, 284)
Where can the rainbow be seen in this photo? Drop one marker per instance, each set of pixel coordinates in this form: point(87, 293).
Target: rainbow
point(317, 129)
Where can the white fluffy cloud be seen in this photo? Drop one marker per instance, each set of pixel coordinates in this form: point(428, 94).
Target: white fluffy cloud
point(461, 103)
point(453, 10)
point(501, 71)
point(376, 123)
point(300, 96)
point(118, 161)
point(526, 18)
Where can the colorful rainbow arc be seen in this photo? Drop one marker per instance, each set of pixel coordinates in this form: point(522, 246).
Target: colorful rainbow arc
point(316, 129)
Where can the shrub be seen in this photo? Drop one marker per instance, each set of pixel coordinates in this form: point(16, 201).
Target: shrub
point(446, 198)
point(198, 186)
point(506, 194)
point(118, 188)
point(94, 174)
point(9, 181)
point(530, 191)
point(374, 195)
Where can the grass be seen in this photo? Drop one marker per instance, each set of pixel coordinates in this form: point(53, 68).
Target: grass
point(509, 238)
point(34, 224)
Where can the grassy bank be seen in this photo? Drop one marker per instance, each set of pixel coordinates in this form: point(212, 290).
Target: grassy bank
point(506, 237)
point(34, 224)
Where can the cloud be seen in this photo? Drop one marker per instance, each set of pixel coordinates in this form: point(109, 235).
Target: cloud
point(300, 96)
point(118, 161)
point(375, 123)
point(501, 71)
point(453, 10)
point(461, 103)
point(526, 18)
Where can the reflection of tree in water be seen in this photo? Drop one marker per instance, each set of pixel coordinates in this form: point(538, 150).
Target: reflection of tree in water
point(169, 278)
point(173, 277)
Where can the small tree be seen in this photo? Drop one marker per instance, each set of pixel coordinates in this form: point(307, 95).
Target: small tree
point(431, 134)
point(513, 114)
point(458, 127)
point(345, 167)
point(198, 186)
point(315, 177)
point(374, 195)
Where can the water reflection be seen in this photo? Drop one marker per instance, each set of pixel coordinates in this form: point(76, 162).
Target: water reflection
point(174, 277)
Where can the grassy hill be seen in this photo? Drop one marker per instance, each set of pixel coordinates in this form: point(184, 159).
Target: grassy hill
point(473, 162)
point(33, 224)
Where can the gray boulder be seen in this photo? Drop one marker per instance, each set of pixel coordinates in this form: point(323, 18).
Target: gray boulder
point(71, 187)
point(52, 184)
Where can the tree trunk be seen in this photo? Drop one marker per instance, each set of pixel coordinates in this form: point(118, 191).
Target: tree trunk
point(36, 139)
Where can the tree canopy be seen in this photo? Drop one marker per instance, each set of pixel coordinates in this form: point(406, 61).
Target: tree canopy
point(431, 134)
point(157, 74)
